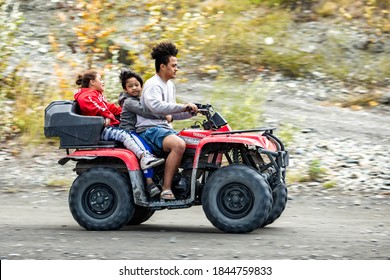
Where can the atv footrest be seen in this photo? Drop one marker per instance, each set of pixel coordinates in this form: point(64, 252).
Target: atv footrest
point(168, 204)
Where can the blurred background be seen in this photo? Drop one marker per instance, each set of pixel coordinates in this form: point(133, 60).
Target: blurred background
point(235, 54)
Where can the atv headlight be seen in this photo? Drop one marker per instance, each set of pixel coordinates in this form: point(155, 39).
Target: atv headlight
point(191, 141)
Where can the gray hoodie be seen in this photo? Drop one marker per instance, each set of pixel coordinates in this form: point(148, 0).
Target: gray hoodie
point(160, 98)
point(131, 107)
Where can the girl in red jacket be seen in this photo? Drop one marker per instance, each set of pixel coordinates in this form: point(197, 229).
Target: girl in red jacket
point(92, 102)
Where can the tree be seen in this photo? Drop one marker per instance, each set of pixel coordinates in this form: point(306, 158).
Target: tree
point(92, 32)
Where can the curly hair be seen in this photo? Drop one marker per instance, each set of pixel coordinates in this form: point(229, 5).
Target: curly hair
point(127, 74)
point(162, 52)
point(84, 78)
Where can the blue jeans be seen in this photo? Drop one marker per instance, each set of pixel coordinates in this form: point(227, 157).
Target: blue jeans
point(154, 137)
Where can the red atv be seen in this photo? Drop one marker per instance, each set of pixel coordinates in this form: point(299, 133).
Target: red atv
point(238, 176)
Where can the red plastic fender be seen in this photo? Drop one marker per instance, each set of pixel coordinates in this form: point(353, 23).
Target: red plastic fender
point(127, 156)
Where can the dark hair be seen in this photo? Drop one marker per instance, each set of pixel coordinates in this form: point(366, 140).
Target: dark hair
point(162, 52)
point(127, 74)
point(84, 78)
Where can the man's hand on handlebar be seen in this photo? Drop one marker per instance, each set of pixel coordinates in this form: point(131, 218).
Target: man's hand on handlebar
point(190, 107)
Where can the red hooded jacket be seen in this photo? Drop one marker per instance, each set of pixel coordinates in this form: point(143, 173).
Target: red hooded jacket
point(94, 103)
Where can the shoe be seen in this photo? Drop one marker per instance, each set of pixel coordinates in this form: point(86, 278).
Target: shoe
point(167, 195)
point(149, 161)
point(153, 190)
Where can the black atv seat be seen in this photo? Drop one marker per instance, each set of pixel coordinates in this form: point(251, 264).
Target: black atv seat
point(63, 120)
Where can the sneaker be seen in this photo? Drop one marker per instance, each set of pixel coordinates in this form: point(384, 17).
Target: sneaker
point(153, 190)
point(149, 161)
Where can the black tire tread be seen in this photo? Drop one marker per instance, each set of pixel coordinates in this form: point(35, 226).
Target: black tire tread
point(279, 204)
point(141, 215)
point(120, 186)
point(249, 177)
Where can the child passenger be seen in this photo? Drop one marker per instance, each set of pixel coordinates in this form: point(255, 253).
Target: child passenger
point(129, 100)
point(92, 102)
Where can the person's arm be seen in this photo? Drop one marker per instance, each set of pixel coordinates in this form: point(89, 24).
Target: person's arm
point(182, 116)
point(95, 107)
point(190, 111)
point(116, 110)
point(137, 108)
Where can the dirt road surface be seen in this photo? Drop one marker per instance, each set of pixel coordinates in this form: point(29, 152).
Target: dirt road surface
point(40, 226)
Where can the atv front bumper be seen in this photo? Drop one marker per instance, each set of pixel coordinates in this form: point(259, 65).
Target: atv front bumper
point(278, 160)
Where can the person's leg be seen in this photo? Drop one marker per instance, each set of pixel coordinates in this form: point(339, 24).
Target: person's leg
point(167, 140)
point(120, 135)
point(148, 173)
point(175, 146)
point(147, 160)
point(152, 189)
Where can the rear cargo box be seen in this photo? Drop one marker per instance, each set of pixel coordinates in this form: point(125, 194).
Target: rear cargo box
point(74, 130)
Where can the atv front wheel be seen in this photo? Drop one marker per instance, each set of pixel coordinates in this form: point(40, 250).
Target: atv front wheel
point(100, 199)
point(141, 214)
point(236, 199)
point(279, 195)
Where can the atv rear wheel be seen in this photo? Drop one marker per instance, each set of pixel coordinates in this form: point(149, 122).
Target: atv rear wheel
point(279, 196)
point(100, 199)
point(236, 199)
point(141, 214)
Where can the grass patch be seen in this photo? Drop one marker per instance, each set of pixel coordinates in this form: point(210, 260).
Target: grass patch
point(330, 184)
point(361, 101)
point(296, 177)
point(59, 183)
point(315, 170)
point(286, 133)
point(10, 190)
point(291, 63)
point(30, 109)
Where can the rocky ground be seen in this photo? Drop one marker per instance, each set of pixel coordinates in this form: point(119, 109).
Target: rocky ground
point(351, 146)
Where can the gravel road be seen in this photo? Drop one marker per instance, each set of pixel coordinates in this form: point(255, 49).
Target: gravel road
point(39, 226)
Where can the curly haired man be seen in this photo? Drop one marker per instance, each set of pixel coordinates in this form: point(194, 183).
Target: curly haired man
point(159, 95)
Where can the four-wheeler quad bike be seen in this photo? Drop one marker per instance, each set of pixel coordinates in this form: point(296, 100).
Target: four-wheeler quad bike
point(238, 176)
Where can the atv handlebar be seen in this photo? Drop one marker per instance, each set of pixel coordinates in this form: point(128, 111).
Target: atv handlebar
point(214, 119)
point(205, 110)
